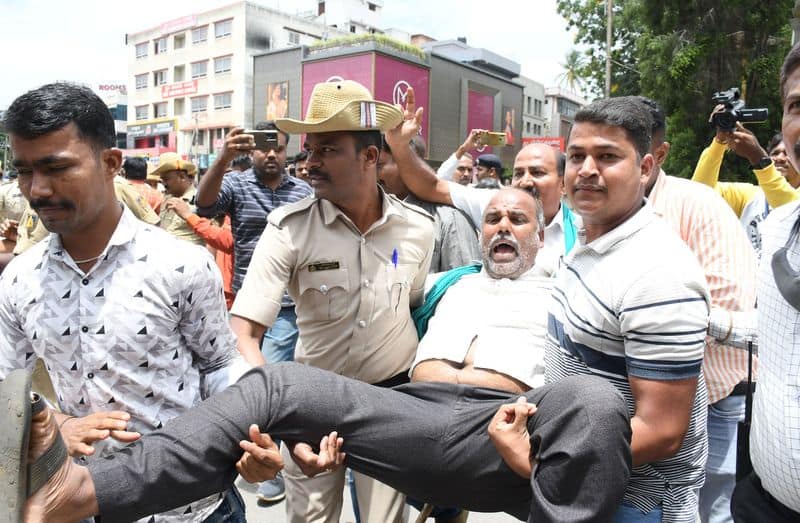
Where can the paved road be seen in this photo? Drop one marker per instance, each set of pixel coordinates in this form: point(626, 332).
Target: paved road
point(276, 513)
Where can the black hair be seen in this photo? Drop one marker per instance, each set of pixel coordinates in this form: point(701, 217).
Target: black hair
point(774, 141)
point(269, 125)
point(301, 156)
point(790, 63)
point(364, 139)
point(242, 162)
point(54, 106)
point(625, 112)
point(656, 113)
point(135, 168)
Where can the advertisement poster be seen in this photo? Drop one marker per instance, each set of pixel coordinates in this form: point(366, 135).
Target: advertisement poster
point(357, 68)
point(393, 77)
point(277, 100)
point(509, 117)
point(480, 115)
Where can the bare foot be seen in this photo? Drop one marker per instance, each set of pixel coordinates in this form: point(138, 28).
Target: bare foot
point(68, 495)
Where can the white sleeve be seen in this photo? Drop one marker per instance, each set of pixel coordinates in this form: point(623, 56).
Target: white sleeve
point(471, 201)
point(448, 167)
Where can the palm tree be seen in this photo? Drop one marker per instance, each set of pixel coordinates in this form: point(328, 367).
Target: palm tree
point(572, 76)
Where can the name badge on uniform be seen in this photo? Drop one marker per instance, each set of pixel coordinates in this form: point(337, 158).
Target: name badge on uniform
point(323, 266)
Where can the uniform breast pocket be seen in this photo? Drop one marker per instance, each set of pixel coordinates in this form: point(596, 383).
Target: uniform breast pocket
point(398, 282)
point(323, 294)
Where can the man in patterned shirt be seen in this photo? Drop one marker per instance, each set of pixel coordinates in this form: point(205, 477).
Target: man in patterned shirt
point(129, 321)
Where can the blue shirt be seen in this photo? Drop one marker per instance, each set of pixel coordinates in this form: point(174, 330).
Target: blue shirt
point(248, 202)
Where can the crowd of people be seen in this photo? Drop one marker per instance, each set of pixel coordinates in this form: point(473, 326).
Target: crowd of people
point(580, 346)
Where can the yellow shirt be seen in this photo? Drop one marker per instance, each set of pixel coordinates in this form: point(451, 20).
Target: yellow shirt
point(738, 195)
point(12, 203)
point(352, 292)
point(177, 226)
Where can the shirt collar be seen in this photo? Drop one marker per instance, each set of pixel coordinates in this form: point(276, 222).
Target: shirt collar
point(124, 233)
point(655, 192)
point(558, 220)
point(643, 217)
point(389, 206)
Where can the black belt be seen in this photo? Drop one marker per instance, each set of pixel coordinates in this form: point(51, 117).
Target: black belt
point(741, 389)
point(397, 379)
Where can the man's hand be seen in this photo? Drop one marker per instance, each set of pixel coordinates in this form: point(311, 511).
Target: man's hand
point(262, 458)
point(508, 431)
point(330, 455)
point(80, 433)
point(8, 230)
point(411, 125)
point(236, 143)
point(180, 207)
point(745, 144)
point(722, 137)
point(473, 141)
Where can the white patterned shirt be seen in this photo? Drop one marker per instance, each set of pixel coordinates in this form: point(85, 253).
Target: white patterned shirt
point(775, 432)
point(135, 333)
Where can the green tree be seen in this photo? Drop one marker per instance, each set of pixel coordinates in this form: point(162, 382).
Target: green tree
point(679, 53)
point(573, 70)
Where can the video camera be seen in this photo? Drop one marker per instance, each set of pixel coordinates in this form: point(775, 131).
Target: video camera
point(735, 111)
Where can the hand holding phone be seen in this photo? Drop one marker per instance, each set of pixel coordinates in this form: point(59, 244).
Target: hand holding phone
point(266, 140)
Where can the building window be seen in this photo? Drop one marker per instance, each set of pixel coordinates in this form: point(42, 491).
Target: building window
point(179, 73)
point(160, 45)
point(179, 41)
point(321, 9)
point(537, 107)
point(372, 7)
point(352, 28)
point(141, 50)
point(222, 101)
point(179, 106)
point(528, 127)
point(528, 104)
point(223, 28)
point(294, 38)
point(222, 64)
point(199, 104)
point(160, 110)
point(199, 34)
point(200, 69)
point(200, 137)
point(141, 81)
point(160, 77)
point(141, 112)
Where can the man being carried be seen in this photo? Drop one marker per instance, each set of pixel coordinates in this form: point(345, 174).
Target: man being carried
point(427, 439)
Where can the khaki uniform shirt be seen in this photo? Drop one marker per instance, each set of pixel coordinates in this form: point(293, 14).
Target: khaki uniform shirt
point(31, 231)
point(177, 226)
point(12, 203)
point(352, 292)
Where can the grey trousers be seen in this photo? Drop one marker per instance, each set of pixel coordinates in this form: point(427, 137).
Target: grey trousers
point(428, 440)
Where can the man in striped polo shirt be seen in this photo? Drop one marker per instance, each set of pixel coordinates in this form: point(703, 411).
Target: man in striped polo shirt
point(248, 198)
point(630, 304)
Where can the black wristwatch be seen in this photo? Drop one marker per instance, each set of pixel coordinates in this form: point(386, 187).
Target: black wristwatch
point(763, 163)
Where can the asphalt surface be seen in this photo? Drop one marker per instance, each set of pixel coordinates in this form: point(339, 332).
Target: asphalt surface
point(258, 512)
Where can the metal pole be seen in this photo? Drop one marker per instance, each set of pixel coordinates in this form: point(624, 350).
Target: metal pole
point(609, 31)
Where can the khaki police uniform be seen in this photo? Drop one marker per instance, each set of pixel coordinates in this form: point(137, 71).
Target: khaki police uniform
point(177, 226)
point(31, 231)
point(353, 294)
point(12, 203)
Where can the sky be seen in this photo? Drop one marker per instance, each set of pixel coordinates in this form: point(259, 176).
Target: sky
point(84, 40)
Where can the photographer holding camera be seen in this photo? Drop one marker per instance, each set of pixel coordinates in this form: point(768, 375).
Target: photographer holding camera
point(751, 203)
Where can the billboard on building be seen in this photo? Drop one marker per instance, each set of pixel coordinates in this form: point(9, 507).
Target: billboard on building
point(277, 100)
point(393, 77)
point(509, 119)
point(480, 115)
point(388, 79)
